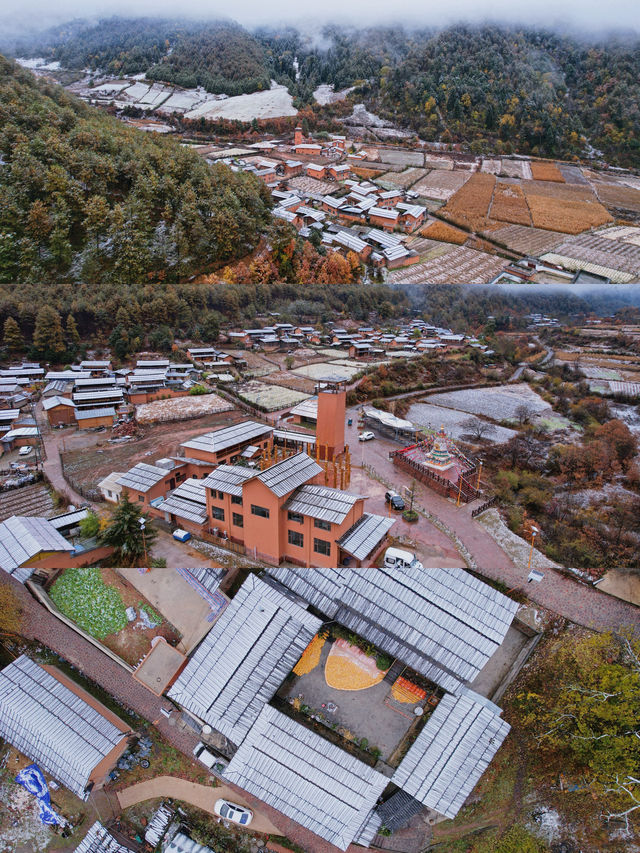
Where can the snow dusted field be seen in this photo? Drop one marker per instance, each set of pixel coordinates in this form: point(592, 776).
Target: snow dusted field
point(500, 403)
point(273, 103)
point(433, 417)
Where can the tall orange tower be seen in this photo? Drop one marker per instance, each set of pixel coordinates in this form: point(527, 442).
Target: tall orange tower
point(298, 138)
point(332, 406)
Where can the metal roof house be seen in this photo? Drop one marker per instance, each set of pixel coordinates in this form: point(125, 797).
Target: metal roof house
point(443, 623)
point(306, 778)
point(226, 443)
point(100, 840)
point(58, 725)
point(23, 538)
point(451, 752)
point(245, 657)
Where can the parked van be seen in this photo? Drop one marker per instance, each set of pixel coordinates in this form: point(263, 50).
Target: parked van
point(399, 558)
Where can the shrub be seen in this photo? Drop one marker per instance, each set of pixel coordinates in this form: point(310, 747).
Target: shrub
point(383, 662)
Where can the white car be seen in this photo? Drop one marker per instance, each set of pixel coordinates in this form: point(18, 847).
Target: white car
point(233, 812)
point(26, 450)
point(366, 436)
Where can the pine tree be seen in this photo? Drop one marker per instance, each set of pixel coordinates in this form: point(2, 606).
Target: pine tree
point(48, 338)
point(126, 536)
point(12, 336)
point(73, 335)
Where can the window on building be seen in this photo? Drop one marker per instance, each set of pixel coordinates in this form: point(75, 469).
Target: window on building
point(141, 498)
point(322, 525)
point(262, 511)
point(295, 538)
point(217, 512)
point(238, 519)
point(321, 546)
point(236, 499)
point(295, 516)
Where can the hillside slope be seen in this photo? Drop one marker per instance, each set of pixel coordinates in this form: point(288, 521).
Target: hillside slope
point(84, 197)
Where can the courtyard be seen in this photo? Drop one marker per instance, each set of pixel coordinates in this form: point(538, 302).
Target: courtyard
point(377, 710)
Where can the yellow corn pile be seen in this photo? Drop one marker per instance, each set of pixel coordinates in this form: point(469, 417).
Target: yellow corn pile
point(341, 673)
point(310, 657)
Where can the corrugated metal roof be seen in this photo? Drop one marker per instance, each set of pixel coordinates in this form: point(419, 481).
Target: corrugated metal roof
point(367, 533)
point(322, 502)
point(99, 840)
point(285, 476)
point(398, 810)
point(105, 412)
point(452, 752)
point(289, 435)
point(306, 778)
point(383, 238)
point(52, 402)
point(104, 394)
point(226, 437)
point(143, 476)
point(181, 843)
point(229, 479)
point(444, 623)
point(244, 658)
point(68, 519)
point(58, 730)
point(22, 537)
point(21, 432)
point(188, 501)
point(350, 242)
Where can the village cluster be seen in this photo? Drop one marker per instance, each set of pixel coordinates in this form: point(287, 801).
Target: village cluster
point(276, 487)
point(321, 703)
point(438, 215)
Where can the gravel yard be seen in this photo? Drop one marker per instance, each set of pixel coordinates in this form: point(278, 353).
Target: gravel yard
point(181, 408)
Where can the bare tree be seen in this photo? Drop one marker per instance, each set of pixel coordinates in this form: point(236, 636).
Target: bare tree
point(524, 413)
point(478, 428)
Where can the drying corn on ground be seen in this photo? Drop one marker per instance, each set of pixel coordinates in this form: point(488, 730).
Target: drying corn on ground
point(405, 691)
point(310, 657)
point(348, 668)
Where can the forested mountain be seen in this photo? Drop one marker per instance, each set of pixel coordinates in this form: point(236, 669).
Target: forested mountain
point(490, 87)
point(220, 56)
point(84, 197)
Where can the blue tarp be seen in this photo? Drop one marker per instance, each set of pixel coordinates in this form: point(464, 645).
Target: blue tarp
point(32, 779)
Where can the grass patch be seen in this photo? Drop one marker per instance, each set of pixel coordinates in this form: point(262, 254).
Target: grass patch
point(83, 596)
point(153, 615)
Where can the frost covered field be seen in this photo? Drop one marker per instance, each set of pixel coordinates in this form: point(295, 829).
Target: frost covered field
point(272, 103)
point(499, 404)
point(433, 417)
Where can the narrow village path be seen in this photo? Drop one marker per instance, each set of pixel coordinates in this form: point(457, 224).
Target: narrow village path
point(566, 596)
point(202, 796)
point(43, 627)
point(52, 465)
